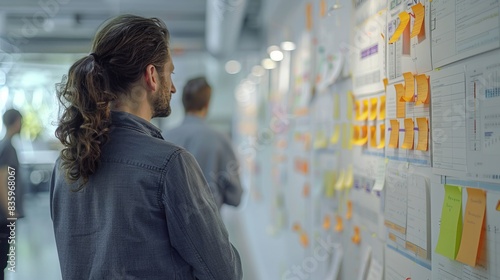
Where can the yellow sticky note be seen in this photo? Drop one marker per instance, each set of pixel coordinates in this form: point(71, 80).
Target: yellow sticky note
point(350, 101)
point(394, 140)
point(347, 136)
point(386, 82)
point(422, 89)
point(339, 185)
point(329, 183)
point(409, 133)
point(404, 19)
point(373, 108)
point(349, 178)
point(419, 12)
point(423, 134)
point(360, 136)
point(334, 139)
point(498, 206)
point(381, 114)
point(381, 144)
point(409, 87)
point(450, 232)
point(473, 224)
point(309, 17)
point(322, 8)
point(400, 106)
point(336, 106)
point(340, 225)
point(373, 136)
point(321, 141)
point(348, 215)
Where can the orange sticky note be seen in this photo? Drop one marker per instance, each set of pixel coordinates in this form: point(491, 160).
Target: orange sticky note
point(327, 222)
point(498, 206)
point(386, 82)
point(419, 12)
point(409, 133)
point(381, 114)
point(423, 134)
point(373, 136)
point(348, 215)
point(473, 225)
point(322, 8)
point(309, 11)
point(422, 89)
point(306, 190)
point(404, 19)
point(381, 144)
point(334, 139)
point(296, 227)
point(394, 140)
point(340, 225)
point(356, 238)
point(304, 239)
point(373, 108)
point(400, 106)
point(409, 87)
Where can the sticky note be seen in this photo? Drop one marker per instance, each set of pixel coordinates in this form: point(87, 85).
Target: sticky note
point(373, 108)
point(381, 144)
point(356, 238)
point(404, 19)
point(329, 183)
point(321, 141)
point(360, 136)
point(409, 92)
point(349, 178)
point(373, 136)
point(473, 224)
point(394, 140)
point(327, 222)
point(350, 101)
point(498, 206)
point(386, 82)
point(423, 134)
point(296, 227)
point(409, 133)
point(400, 106)
point(450, 232)
point(309, 20)
point(348, 215)
point(419, 12)
point(340, 225)
point(336, 106)
point(322, 8)
point(422, 89)
point(334, 139)
point(304, 239)
point(381, 114)
point(347, 138)
point(339, 185)
point(306, 190)
point(362, 110)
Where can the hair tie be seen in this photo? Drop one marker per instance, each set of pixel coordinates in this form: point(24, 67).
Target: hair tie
point(94, 55)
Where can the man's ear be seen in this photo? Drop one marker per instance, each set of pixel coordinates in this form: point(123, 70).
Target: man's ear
point(151, 77)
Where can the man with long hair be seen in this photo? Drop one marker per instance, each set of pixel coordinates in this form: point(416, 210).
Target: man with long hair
point(125, 203)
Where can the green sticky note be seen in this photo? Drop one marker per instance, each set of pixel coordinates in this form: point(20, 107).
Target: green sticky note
point(450, 232)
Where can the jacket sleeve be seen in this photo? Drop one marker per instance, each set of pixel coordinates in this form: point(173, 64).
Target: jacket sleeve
point(194, 224)
point(231, 184)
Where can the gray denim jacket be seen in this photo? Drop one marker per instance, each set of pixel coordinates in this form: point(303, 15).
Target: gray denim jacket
point(147, 213)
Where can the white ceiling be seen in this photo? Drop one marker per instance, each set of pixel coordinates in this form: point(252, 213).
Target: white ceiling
point(66, 26)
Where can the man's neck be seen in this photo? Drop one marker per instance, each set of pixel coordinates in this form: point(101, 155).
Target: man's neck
point(200, 114)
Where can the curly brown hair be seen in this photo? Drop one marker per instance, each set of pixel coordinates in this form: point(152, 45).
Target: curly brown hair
point(121, 51)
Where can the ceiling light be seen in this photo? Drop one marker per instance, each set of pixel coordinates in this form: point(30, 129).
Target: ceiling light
point(268, 64)
point(258, 71)
point(288, 46)
point(276, 55)
point(233, 67)
point(272, 48)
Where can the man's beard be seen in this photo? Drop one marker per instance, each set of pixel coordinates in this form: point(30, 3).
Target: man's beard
point(161, 101)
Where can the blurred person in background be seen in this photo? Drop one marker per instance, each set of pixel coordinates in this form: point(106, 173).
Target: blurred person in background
point(9, 166)
point(125, 203)
point(213, 150)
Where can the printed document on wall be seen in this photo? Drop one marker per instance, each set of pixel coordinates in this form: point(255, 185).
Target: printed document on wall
point(368, 54)
point(483, 118)
point(448, 121)
point(463, 28)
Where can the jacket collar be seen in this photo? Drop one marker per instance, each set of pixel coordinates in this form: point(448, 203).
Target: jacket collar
point(127, 120)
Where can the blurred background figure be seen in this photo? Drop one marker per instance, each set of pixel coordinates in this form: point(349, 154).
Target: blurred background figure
point(212, 149)
point(9, 165)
